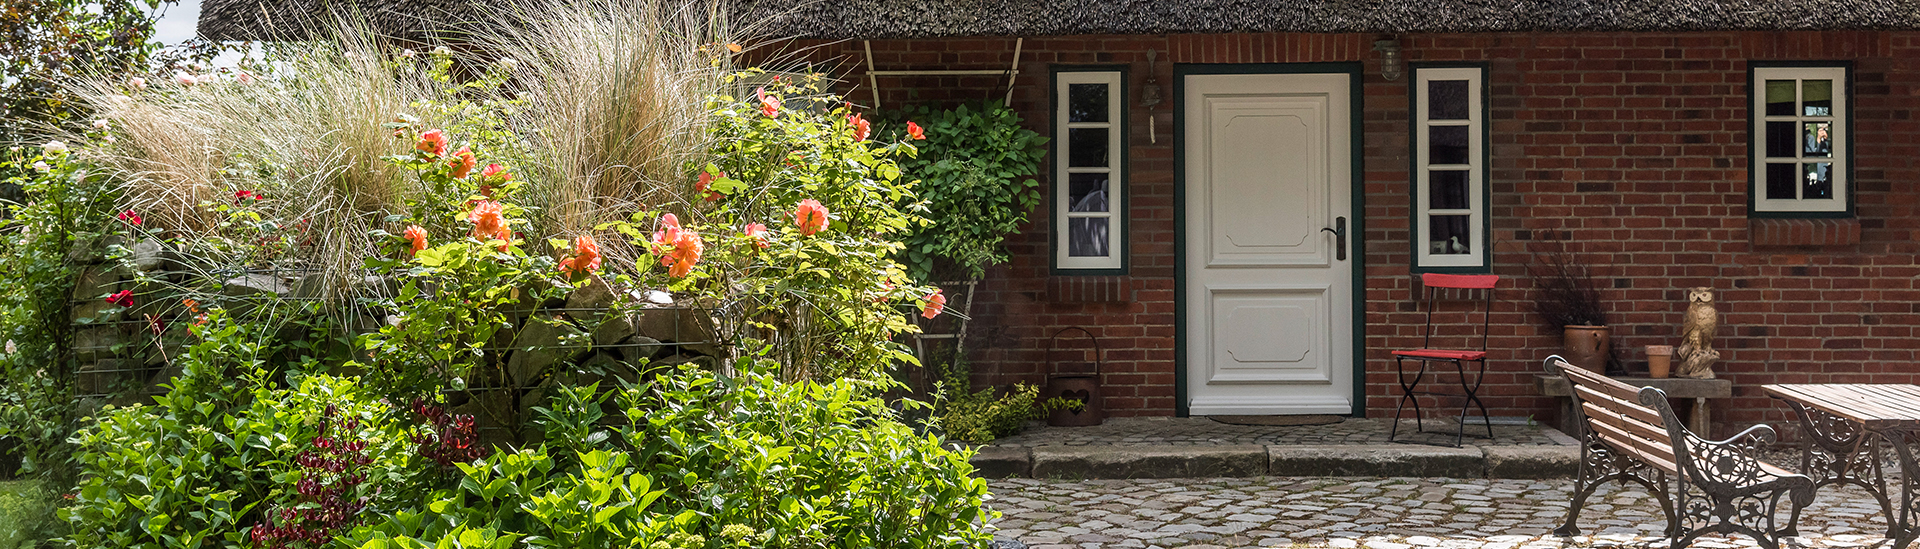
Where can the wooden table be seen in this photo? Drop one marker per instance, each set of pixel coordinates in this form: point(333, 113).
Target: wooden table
point(1845, 424)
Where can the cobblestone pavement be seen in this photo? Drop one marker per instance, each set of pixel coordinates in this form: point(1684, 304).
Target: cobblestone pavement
point(1190, 431)
point(1370, 513)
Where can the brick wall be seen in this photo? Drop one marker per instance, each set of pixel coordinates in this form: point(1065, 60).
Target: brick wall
point(1628, 149)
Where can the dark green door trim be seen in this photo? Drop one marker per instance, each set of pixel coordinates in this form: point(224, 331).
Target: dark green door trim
point(1356, 227)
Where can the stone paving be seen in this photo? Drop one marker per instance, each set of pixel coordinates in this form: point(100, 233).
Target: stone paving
point(1374, 513)
point(1194, 431)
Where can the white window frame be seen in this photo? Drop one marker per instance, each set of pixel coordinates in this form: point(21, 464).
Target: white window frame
point(1839, 173)
point(1115, 170)
point(1424, 260)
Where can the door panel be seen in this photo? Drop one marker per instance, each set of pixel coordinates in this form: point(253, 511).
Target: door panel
point(1270, 305)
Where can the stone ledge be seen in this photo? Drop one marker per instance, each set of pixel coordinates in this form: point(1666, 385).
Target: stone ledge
point(1129, 462)
point(1396, 460)
point(1002, 462)
point(1532, 461)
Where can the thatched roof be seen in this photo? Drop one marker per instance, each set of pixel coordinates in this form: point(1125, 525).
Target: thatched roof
point(244, 19)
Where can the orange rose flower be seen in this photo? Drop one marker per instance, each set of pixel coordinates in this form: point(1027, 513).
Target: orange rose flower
point(810, 216)
point(434, 143)
point(462, 162)
point(758, 233)
point(679, 249)
point(915, 131)
point(705, 185)
point(416, 239)
point(769, 105)
point(494, 174)
point(936, 303)
point(490, 223)
point(584, 259)
point(861, 128)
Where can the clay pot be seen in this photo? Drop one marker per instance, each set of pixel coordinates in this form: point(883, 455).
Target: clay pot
point(1659, 360)
point(1588, 347)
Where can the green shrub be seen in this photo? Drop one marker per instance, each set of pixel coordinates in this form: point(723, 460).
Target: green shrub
point(26, 513)
point(975, 170)
point(702, 460)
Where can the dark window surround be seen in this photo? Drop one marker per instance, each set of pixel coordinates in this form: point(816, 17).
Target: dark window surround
point(1413, 168)
point(1753, 179)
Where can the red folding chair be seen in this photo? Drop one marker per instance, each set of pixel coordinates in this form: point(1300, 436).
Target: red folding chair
point(1426, 355)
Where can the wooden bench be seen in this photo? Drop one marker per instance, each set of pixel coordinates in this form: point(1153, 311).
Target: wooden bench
point(1632, 435)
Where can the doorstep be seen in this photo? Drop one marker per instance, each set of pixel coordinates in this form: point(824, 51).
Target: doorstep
point(1195, 447)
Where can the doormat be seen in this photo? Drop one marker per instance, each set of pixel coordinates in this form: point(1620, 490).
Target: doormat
point(1278, 421)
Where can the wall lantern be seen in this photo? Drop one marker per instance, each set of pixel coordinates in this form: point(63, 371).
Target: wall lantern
point(1389, 58)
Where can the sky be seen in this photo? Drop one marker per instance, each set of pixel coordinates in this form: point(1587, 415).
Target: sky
point(177, 24)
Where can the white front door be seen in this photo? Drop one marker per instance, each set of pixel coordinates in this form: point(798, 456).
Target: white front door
point(1269, 296)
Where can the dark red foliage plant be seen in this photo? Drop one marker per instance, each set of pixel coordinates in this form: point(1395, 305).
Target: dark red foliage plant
point(446, 438)
point(333, 468)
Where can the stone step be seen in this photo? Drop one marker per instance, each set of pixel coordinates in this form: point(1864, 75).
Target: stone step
point(1198, 461)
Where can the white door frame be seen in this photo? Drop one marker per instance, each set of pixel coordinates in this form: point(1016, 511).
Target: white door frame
point(1356, 225)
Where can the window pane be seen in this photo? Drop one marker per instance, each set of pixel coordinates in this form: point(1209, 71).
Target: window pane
point(1779, 98)
point(1782, 139)
point(1818, 140)
point(1819, 180)
point(1780, 182)
point(1447, 235)
point(1447, 99)
point(1087, 237)
point(1447, 145)
point(1087, 192)
point(1817, 97)
point(1086, 102)
point(1447, 190)
point(1087, 147)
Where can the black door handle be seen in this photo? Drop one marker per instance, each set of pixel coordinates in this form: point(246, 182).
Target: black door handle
point(1339, 231)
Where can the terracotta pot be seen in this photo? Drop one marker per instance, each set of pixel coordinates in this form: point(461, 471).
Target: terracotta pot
point(1659, 360)
point(1588, 347)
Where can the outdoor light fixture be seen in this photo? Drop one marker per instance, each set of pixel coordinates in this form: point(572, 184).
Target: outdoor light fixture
point(1389, 58)
point(1150, 96)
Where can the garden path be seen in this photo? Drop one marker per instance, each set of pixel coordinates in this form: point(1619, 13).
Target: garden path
point(1370, 513)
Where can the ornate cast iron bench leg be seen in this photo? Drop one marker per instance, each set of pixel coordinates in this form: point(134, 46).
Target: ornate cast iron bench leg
point(1734, 498)
point(1599, 465)
point(1902, 530)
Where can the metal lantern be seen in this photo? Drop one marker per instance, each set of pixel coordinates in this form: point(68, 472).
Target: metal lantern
point(1074, 381)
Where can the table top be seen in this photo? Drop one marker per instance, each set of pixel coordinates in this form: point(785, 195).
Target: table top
point(1875, 406)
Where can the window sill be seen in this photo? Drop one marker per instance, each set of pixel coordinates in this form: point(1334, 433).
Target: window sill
point(1770, 233)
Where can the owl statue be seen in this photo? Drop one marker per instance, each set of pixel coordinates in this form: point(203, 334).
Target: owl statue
point(1696, 356)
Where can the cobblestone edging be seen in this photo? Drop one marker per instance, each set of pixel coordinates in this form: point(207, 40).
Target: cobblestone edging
point(1198, 447)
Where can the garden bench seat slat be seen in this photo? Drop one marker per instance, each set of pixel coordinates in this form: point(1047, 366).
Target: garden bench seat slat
point(1633, 435)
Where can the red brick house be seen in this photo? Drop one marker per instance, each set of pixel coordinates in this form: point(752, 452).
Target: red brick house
point(1206, 153)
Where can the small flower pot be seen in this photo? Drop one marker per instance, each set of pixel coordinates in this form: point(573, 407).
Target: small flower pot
point(1659, 360)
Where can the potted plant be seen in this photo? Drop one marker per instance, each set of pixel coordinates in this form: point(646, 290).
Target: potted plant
point(1565, 297)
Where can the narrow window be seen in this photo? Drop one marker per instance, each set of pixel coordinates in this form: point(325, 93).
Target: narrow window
point(1449, 169)
point(1089, 187)
point(1800, 141)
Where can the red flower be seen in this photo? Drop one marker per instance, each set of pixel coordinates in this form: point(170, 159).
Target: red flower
point(705, 185)
point(810, 216)
point(244, 195)
point(462, 162)
point(129, 217)
point(935, 304)
point(758, 233)
point(769, 105)
point(861, 128)
point(434, 143)
point(585, 257)
point(490, 223)
point(915, 131)
point(679, 249)
point(124, 298)
point(416, 239)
